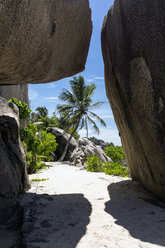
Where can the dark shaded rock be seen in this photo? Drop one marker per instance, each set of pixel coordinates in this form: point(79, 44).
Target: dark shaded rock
point(62, 140)
point(133, 46)
point(13, 177)
point(43, 41)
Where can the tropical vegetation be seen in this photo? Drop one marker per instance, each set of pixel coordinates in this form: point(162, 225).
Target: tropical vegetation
point(24, 110)
point(116, 167)
point(38, 146)
point(74, 114)
point(77, 109)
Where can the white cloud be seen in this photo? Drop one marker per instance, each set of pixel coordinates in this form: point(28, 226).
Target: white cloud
point(89, 80)
point(32, 94)
point(99, 78)
point(93, 78)
point(106, 117)
point(51, 98)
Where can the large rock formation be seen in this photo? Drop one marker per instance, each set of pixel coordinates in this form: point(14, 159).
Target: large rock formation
point(62, 139)
point(133, 45)
point(18, 91)
point(43, 41)
point(87, 148)
point(13, 177)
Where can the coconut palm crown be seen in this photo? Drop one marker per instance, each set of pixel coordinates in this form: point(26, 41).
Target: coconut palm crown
point(78, 107)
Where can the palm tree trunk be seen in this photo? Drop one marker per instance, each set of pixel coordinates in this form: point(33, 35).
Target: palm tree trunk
point(68, 142)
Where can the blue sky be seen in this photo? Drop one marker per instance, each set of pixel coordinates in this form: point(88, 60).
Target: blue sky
point(47, 94)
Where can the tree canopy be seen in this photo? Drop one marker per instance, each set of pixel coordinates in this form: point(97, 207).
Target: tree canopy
point(78, 108)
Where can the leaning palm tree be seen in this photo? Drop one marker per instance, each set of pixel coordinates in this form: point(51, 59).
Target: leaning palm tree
point(77, 109)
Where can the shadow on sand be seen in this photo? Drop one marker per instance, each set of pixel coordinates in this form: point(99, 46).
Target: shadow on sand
point(137, 211)
point(59, 221)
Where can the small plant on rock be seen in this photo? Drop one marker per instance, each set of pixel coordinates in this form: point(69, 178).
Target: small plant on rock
point(24, 110)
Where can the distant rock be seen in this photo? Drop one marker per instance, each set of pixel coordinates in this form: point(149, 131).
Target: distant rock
point(13, 176)
point(62, 139)
point(87, 148)
point(102, 143)
point(43, 41)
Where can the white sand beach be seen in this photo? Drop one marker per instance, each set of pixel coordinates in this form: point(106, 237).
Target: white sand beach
point(79, 209)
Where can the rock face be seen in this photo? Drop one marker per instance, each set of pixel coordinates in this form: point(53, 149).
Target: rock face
point(133, 48)
point(62, 140)
point(85, 149)
point(43, 41)
point(18, 91)
point(13, 177)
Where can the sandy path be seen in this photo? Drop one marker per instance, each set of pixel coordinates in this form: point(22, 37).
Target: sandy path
point(76, 208)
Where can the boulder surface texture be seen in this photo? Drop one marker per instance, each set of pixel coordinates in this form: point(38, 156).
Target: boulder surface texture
point(13, 177)
point(17, 91)
point(87, 148)
point(62, 139)
point(133, 45)
point(43, 41)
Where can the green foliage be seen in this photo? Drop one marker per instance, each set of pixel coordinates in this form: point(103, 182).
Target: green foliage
point(42, 111)
point(42, 116)
point(48, 122)
point(38, 146)
point(76, 135)
point(24, 111)
point(115, 169)
point(94, 164)
point(48, 145)
point(78, 106)
point(77, 109)
point(115, 153)
point(39, 180)
point(93, 139)
point(34, 162)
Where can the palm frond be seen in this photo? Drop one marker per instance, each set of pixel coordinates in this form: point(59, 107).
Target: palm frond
point(86, 124)
point(97, 104)
point(82, 123)
point(98, 118)
point(67, 96)
point(95, 127)
point(78, 86)
point(64, 107)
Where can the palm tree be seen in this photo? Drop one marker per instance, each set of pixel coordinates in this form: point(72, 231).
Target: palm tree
point(42, 112)
point(77, 109)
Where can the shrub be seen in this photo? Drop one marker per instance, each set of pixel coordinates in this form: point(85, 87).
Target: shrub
point(94, 164)
point(24, 111)
point(115, 169)
point(38, 147)
point(48, 145)
point(115, 153)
